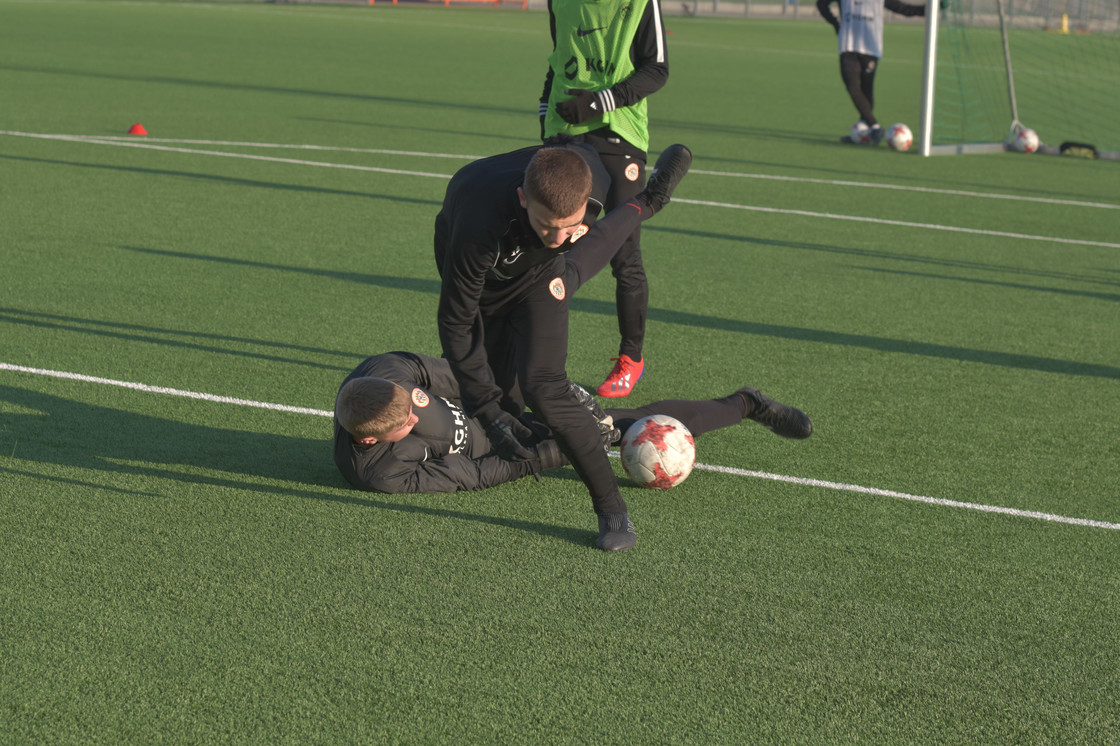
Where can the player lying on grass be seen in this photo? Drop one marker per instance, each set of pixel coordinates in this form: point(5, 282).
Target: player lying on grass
point(399, 426)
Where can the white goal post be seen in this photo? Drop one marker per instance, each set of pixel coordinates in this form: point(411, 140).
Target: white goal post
point(1064, 56)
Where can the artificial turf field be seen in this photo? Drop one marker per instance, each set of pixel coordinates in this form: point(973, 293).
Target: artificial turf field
point(937, 564)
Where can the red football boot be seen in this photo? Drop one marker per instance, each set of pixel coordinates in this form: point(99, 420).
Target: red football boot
point(623, 378)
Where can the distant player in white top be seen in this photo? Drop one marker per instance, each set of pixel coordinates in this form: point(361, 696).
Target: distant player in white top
point(859, 32)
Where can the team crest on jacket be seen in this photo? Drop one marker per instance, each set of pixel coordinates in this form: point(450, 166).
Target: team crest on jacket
point(419, 398)
point(579, 232)
point(632, 172)
point(556, 287)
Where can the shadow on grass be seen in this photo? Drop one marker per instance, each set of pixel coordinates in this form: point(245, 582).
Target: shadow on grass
point(154, 335)
point(737, 326)
point(199, 83)
point(895, 256)
point(1110, 297)
point(71, 434)
point(228, 180)
point(508, 142)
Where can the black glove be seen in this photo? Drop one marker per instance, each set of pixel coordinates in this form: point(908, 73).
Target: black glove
point(550, 456)
point(586, 105)
point(506, 433)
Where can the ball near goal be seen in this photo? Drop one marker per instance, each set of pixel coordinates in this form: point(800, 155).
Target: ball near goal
point(1025, 141)
point(899, 137)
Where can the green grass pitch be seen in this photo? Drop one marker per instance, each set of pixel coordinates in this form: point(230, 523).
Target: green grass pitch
point(937, 564)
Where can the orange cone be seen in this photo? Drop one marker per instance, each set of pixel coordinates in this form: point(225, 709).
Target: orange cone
point(137, 129)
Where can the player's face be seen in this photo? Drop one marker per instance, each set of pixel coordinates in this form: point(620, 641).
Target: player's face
point(401, 431)
point(553, 230)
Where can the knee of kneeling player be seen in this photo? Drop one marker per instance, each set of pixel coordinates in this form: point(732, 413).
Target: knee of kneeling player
point(553, 403)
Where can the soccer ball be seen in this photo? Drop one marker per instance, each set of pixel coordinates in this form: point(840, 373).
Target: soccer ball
point(861, 133)
point(1025, 141)
point(658, 451)
point(899, 137)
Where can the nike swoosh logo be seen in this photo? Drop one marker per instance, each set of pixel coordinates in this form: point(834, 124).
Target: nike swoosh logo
point(581, 33)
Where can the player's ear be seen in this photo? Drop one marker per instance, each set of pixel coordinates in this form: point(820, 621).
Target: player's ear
point(521, 198)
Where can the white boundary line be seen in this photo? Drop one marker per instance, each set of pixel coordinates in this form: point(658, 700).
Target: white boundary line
point(245, 156)
point(148, 144)
point(899, 187)
point(164, 390)
point(901, 223)
point(133, 141)
point(268, 145)
point(913, 498)
point(705, 467)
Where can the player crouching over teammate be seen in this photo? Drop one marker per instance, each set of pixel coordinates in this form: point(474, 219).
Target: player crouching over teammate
point(400, 427)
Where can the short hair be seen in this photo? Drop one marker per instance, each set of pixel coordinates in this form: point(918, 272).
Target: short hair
point(369, 407)
point(559, 179)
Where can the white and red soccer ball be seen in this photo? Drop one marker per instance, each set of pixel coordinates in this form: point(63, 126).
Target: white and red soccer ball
point(658, 451)
point(1025, 141)
point(899, 137)
point(860, 133)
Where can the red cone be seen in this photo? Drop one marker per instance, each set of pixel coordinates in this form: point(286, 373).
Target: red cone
point(137, 129)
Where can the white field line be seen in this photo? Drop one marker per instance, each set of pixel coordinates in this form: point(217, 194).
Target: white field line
point(913, 498)
point(270, 145)
point(898, 187)
point(901, 223)
point(133, 141)
point(705, 467)
point(164, 390)
point(245, 156)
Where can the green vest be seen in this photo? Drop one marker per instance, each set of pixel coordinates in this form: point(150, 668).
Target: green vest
point(593, 39)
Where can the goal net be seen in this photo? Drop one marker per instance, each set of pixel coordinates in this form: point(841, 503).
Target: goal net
point(996, 66)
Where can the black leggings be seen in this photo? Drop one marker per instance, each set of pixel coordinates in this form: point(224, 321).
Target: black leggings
point(698, 416)
point(858, 73)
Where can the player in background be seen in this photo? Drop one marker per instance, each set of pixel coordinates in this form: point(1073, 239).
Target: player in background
point(859, 31)
point(607, 58)
point(399, 427)
point(516, 236)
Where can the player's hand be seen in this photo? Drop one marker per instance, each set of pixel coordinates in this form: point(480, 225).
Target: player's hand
point(550, 456)
point(586, 105)
point(506, 433)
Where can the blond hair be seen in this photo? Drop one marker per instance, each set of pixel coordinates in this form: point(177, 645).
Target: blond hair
point(370, 407)
point(559, 180)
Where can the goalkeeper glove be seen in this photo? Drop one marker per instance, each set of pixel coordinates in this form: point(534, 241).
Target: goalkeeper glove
point(586, 105)
point(506, 433)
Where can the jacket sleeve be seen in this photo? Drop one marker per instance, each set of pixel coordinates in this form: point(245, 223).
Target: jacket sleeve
point(546, 94)
point(649, 53)
point(395, 470)
point(415, 369)
point(904, 9)
point(824, 7)
point(438, 377)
